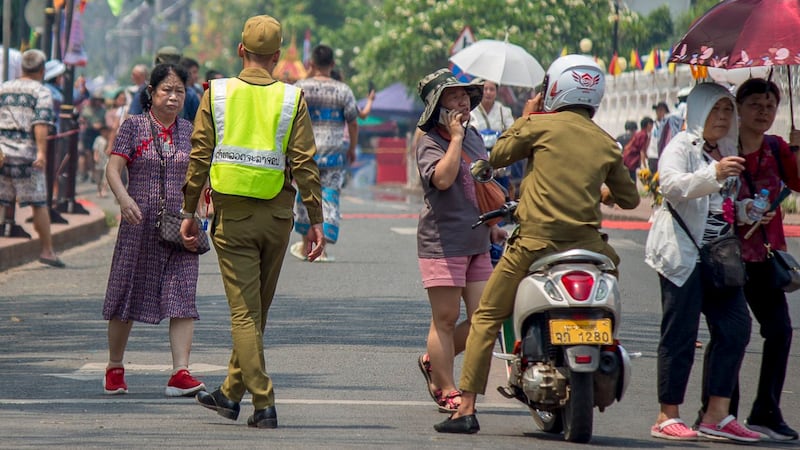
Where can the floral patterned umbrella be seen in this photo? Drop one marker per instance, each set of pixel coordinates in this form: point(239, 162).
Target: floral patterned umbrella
point(743, 33)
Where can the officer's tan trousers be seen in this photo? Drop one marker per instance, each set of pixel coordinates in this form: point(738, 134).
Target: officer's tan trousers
point(250, 237)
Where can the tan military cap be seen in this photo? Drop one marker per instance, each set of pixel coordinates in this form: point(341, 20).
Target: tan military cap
point(262, 35)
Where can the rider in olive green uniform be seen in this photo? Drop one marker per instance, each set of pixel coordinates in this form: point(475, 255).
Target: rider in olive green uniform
point(573, 165)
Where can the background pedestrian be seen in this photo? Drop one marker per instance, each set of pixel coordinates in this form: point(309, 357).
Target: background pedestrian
point(332, 106)
point(26, 117)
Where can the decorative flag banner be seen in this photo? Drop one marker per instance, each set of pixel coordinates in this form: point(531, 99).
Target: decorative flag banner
point(75, 54)
point(614, 67)
point(650, 65)
point(670, 66)
point(116, 6)
point(636, 60)
point(699, 72)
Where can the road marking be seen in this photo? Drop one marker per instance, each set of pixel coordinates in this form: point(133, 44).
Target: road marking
point(290, 401)
point(408, 231)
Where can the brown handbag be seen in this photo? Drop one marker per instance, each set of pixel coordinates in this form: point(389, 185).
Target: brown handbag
point(490, 195)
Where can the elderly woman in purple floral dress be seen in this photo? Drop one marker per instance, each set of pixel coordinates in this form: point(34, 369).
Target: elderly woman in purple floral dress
point(150, 281)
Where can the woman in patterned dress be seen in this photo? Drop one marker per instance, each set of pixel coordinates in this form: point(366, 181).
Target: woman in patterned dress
point(150, 281)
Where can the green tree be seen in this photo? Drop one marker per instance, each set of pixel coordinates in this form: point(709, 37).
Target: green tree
point(684, 21)
point(405, 39)
point(660, 27)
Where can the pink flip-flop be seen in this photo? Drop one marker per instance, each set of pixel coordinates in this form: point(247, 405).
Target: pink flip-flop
point(673, 429)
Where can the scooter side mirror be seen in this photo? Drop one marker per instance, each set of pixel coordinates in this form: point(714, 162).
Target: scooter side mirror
point(481, 171)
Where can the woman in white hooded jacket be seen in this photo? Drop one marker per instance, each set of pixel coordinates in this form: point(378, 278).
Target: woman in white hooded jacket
point(699, 172)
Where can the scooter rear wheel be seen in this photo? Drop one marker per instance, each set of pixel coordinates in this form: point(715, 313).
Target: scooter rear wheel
point(577, 413)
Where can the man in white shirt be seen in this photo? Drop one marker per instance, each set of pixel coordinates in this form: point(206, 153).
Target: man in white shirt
point(661, 110)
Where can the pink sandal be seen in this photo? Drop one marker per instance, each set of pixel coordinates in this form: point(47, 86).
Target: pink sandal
point(448, 403)
point(673, 429)
point(424, 363)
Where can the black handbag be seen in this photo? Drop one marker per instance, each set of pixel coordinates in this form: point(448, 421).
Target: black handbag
point(785, 270)
point(720, 259)
point(169, 223)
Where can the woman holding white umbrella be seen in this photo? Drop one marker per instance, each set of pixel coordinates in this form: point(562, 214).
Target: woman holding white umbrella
point(491, 118)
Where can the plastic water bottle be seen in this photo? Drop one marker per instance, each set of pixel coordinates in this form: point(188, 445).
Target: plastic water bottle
point(759, 206)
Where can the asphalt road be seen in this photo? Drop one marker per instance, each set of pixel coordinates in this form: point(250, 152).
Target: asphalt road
point(341, 344)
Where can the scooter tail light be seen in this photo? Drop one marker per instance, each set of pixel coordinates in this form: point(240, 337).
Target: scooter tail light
point(578, 284)
point(583, 359)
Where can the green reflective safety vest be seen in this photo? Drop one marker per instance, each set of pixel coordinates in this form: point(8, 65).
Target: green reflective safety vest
point(250, 156)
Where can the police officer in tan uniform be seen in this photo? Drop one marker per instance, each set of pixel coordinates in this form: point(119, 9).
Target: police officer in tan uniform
point(252, 137)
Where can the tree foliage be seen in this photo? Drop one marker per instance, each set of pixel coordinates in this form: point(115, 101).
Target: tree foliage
point(684, 21)
point(405, 39)
point(401, 40)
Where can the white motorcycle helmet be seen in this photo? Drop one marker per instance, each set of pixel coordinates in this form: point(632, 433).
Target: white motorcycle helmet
point(574, 80)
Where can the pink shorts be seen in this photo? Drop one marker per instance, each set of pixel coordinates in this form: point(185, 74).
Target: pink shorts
point(455, 271)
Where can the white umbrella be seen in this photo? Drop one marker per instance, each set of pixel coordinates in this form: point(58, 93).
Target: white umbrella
point(501, 62)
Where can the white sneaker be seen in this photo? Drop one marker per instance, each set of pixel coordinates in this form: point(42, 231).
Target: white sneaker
point(296, 250)
point(325, 257)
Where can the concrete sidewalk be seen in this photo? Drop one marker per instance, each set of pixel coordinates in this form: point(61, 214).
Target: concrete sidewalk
point(80, 229)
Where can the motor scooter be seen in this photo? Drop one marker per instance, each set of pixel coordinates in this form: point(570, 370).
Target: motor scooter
point(566, 359)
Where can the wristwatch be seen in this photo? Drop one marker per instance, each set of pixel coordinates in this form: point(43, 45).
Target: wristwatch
point(794, 148)
point(186, 215)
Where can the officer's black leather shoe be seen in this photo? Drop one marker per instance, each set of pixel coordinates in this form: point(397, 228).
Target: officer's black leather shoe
point(464, 425)
point(264, 418)
point(219, 403)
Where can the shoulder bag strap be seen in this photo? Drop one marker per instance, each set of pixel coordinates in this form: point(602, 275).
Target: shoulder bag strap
point(681, 223)
point(776, 153)
point(485, 117)
point(163, 170)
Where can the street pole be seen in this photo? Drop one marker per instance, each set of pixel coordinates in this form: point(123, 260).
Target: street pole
point(616, 28)
point(69, 130)
point(47, 35)
point(6, 39)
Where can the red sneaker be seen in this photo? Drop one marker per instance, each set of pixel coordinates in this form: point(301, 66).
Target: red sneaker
point(114, 381)
point(183, 384)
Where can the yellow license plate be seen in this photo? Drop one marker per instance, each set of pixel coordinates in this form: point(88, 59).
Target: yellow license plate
point(571, 332)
